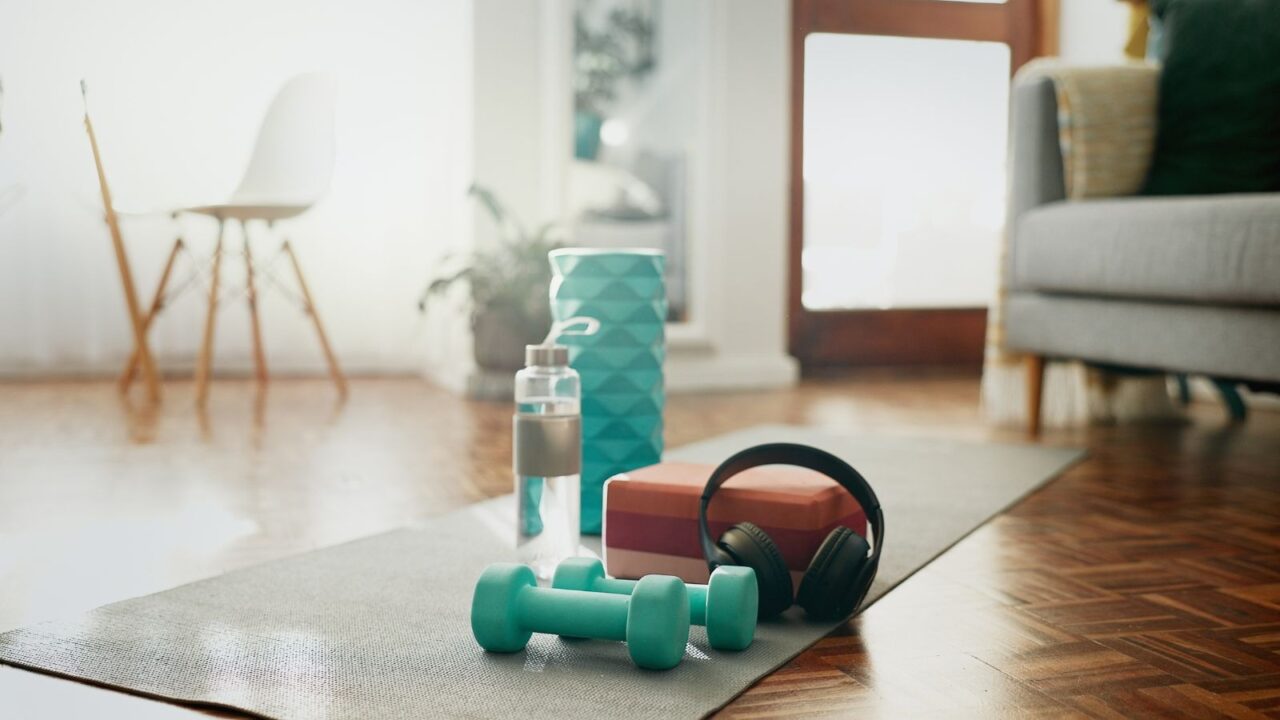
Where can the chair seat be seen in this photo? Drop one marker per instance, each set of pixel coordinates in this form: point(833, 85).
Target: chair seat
point(1222, 249)
point(248, 211)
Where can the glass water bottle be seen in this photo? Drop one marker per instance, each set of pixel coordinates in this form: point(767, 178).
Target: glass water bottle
point(547, 458)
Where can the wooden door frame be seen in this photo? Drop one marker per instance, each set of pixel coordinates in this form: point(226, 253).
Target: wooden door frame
point(904, 336)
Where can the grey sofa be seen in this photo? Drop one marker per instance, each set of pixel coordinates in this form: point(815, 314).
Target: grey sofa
point(1187, 285)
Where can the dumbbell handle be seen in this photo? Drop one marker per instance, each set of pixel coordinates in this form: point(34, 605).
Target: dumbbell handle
point(575, 613)
point(697, 595)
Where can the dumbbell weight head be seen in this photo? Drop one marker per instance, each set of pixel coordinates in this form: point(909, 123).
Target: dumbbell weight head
point(658, 622)
point(580, 573)
point(733, 600)
point(727, 604)
point(495, 621)
point(508, 607)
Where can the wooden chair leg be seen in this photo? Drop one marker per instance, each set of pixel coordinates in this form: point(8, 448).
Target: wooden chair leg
point(149, 372)
point(1035, 392)
point(334, 371)
point(259, 358)
point(157, 304)
point(204, 362)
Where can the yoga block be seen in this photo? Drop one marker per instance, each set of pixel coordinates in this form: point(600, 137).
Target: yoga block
point(651, 516)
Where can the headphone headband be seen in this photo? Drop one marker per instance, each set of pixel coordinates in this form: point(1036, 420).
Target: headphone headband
point(797, 455)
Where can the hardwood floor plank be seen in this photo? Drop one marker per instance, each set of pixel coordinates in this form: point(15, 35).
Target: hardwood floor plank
point(1176, 702)
point(1195, 656)
point(1140, 578)
point(1118, 616)
point(1037, 586)
point(1234, 570)
point(1266, 637)
point(1081, 668)
point(1260, 693)
point(1218, 607)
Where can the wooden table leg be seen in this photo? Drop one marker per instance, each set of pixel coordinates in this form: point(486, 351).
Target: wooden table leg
point(259, 358)
point(157, 303)
point(334, 370)
point(205, 360)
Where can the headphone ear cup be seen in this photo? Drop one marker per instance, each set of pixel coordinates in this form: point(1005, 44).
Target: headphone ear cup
point(829, 589)
point(752, 547)
point(861, 586)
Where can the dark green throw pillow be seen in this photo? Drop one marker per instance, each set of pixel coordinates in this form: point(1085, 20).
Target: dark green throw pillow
point(1218, 128)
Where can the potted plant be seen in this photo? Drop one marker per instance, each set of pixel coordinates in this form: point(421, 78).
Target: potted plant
point(509, 285)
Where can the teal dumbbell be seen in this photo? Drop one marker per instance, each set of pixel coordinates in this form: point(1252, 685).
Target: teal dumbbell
point(726, 604)
point(508, 607)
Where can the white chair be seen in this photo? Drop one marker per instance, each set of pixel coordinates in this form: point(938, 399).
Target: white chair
point(289, 171)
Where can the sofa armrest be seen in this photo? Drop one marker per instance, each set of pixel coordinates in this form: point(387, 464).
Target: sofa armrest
point(1077, 133)
point(1035, 163)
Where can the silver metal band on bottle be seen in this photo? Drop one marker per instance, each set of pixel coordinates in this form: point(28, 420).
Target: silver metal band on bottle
point(547, 445)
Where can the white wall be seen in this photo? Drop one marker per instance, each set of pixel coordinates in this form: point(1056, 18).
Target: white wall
point(177, 91)
point(746, 262)
point(1093, 31)
point(518, 60)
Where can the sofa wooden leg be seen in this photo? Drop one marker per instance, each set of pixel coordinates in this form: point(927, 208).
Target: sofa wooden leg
point(1035, 391)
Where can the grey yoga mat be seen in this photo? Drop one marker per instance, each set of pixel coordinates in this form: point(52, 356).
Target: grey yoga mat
point(379, 628)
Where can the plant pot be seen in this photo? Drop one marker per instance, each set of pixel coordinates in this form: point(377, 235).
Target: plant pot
point(500, 339)
point(586, 134)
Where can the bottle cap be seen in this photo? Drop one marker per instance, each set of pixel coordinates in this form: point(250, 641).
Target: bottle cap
point(546, 355)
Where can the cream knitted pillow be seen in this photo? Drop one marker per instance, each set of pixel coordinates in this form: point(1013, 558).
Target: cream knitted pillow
point(1106, 125)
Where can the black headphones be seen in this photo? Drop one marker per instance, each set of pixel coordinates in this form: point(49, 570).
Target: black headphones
point(842, 570)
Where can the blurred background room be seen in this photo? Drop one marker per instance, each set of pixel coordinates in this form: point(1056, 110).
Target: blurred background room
point(268, 269)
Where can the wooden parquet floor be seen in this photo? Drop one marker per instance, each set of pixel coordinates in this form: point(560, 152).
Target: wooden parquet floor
point(1144, 582)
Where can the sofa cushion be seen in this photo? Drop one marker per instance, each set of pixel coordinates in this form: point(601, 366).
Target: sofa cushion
point(1230, 342)
point(1212, 249)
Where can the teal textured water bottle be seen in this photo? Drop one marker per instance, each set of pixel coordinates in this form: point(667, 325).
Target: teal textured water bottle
point(620, 364)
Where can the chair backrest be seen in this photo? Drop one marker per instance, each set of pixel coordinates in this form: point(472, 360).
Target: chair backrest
point(292, 161)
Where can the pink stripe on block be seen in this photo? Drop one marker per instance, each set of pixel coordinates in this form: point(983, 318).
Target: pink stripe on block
point(635, 564)
point(665, 535)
